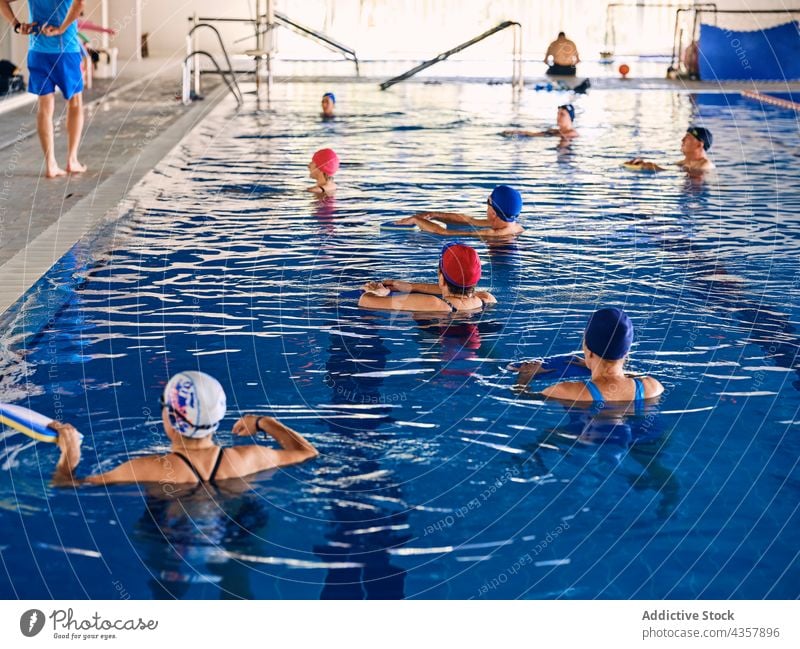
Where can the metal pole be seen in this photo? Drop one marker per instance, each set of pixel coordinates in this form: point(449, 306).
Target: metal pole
point(196, 58)
point(271, 41)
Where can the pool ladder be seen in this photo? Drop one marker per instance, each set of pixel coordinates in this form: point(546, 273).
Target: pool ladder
point(190, 86)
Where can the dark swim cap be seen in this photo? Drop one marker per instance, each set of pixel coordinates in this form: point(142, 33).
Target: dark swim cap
point(570, 109)
point(330, 96)
point(702, 134)
point(507, 203)
point(609, 334)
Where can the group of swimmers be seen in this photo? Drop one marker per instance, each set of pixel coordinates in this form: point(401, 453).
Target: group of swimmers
point(194, 403)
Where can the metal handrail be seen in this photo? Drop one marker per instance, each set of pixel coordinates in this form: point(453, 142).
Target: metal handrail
point(610, 39)
point(517, 55)
point(186, 96)
point(224, 52)
point(323, 39)
point(238, 92)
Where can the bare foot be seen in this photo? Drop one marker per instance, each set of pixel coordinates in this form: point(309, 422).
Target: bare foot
point(75, 167)
point(54, 171)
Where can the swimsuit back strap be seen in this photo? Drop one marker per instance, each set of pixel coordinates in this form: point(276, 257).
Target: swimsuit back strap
point(639, 397)
point(453, 309)
point(189, 464)
point(594, 391)
point(213, 473)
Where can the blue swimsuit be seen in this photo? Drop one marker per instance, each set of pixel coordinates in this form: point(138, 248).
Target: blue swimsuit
point(597, 396)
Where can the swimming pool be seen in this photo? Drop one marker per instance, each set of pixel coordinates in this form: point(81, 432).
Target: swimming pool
point(437, 478)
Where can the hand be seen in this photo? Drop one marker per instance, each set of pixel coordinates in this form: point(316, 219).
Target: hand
point(527, 370)
point(376, 288)
point(51, 30)
point(25, 28)
point(398, 285)
point(69, 441)
point(247, 426)
point(635, 161)
point(409, 220)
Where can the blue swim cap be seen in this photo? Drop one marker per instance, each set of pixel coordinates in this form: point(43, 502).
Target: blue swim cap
point(702, 134)
point(507, 203)
point(331, 96)
point(609, 334)
point(570, 109)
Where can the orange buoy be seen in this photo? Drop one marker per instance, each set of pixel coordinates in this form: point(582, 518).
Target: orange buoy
point(624, 69)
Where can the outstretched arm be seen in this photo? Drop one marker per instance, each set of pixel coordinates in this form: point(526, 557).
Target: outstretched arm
point(143, 469)
point(411, 287)
point(445, 217)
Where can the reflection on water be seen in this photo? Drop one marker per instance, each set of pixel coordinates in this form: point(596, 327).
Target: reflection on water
point(436, 479)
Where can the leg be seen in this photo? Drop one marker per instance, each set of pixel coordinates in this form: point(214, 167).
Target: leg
point(74, 130)
point(44, 125)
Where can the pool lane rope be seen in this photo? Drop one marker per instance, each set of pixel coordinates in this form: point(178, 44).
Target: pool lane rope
point(768, 99)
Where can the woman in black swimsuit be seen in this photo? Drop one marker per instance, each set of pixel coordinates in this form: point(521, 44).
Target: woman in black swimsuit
point(459, 272)
point(193, 405)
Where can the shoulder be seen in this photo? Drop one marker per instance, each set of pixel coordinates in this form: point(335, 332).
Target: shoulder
point(568, 391)
point(486, 297)
point(652, 387)
point(151, 468)
point(249, 458)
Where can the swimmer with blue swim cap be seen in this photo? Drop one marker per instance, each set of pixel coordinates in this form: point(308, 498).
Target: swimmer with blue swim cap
point(606, 343)
point(694, 145)
point(564, 122)
point(192, 406)
point(328, 104)
point(503, 209)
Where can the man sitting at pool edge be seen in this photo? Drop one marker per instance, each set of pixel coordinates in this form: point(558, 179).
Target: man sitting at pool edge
point(192, 405)
point(694, 145)
point(564, 122)
point(503, 209)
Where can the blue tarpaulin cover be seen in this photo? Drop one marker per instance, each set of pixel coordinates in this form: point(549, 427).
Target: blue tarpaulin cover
point(772, 53)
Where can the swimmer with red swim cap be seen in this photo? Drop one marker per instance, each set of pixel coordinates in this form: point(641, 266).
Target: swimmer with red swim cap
point(322, 168)
point(564, 126)
point(694, 145)
point(459, 273)
point(502, 211)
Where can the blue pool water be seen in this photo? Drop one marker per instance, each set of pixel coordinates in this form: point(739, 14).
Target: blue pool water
point(437, 479)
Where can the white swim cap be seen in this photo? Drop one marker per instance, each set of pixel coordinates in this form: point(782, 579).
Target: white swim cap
point(196, 402)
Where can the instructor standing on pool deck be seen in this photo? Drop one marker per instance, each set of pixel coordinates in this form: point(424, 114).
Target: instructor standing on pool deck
point(54, 61)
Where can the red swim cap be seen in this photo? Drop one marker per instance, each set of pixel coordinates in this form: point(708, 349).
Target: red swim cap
point(326, 161)
point(460, 265)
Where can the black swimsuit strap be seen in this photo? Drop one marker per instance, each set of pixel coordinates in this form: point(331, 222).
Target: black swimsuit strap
point(453, 309)
point(213, 473)
point(189, 464)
